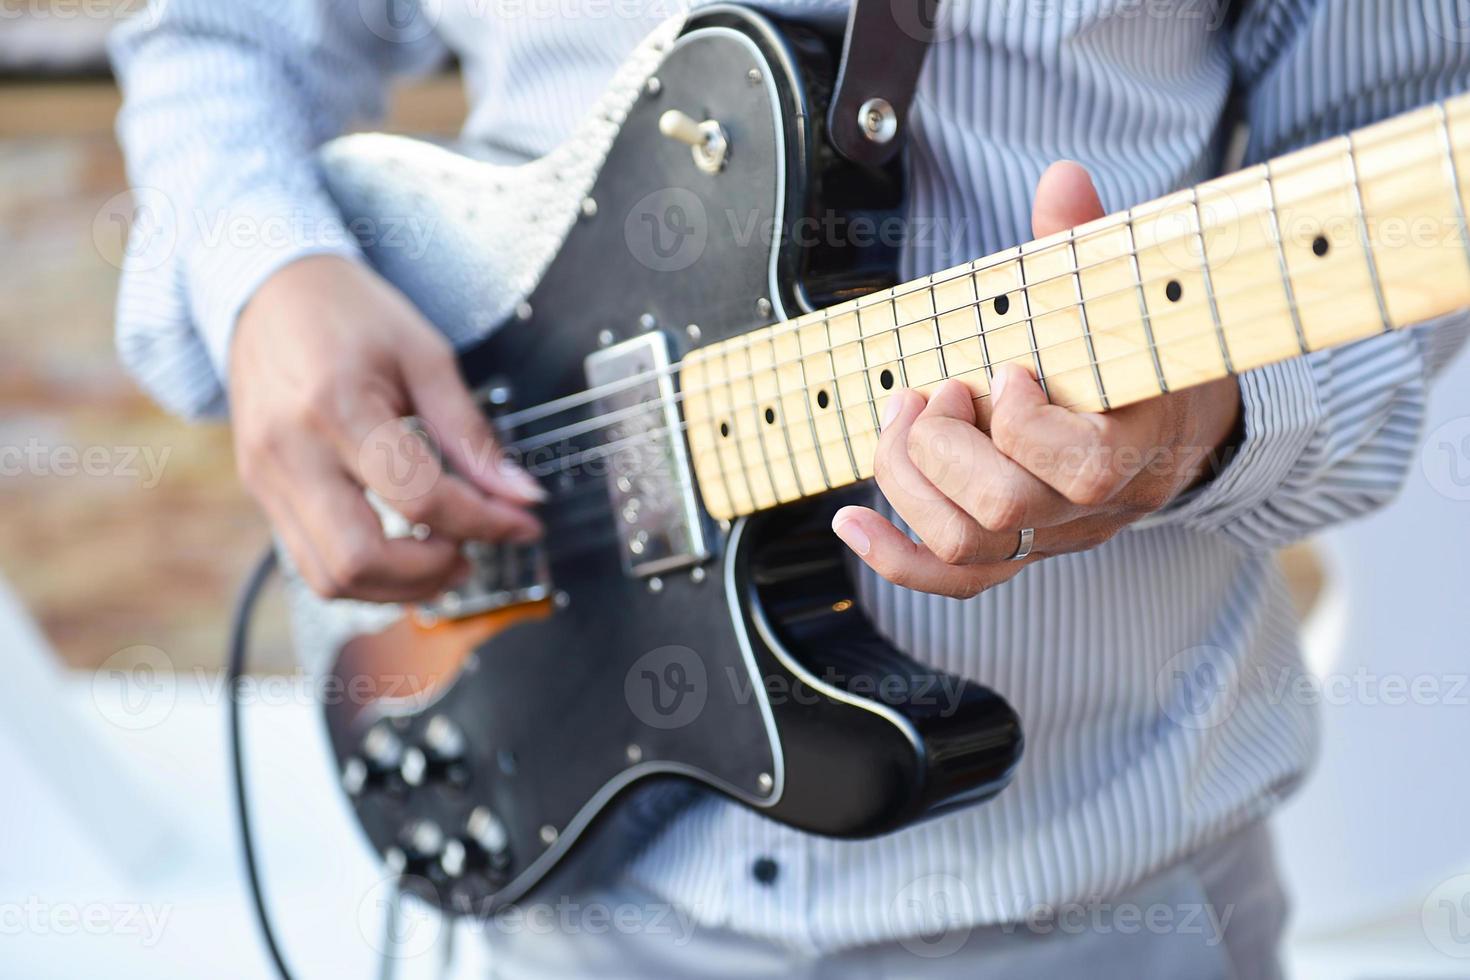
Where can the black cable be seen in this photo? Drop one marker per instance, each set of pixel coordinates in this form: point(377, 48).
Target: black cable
point(234, 674)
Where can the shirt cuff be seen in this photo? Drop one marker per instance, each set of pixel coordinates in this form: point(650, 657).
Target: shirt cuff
point(234, 249)
point(1281, 412)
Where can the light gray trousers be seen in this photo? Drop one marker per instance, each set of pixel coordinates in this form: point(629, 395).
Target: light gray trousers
point(1218, 915)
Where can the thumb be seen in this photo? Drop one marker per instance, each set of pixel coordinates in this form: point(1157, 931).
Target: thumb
point(1065, 198)
point(441, 399)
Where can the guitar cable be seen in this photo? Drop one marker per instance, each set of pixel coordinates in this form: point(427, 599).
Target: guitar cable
point(265, 565)
point(239, 650)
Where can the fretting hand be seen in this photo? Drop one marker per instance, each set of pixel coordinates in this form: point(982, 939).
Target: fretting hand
point(1074, 479)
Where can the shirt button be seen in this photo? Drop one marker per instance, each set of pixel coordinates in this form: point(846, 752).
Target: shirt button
point(765, 870)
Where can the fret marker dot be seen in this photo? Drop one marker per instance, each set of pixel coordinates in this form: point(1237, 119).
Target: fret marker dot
point(1002, 305)
point(886, 380)
point(725, 429)
point(822, 399)
point(1174, 291)
point(1320, 246)
point(770, 416)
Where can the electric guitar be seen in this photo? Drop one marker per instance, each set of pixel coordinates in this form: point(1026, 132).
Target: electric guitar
point(695, 367)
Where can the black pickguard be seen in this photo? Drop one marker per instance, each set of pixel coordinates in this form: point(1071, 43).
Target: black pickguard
point(756, 676)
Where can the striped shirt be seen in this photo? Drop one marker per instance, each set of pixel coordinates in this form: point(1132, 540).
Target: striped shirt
point(1154, 673)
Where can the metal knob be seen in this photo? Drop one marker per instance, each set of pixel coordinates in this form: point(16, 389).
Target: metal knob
point(382, 749)
point(486, 829)
point(707, 141)
point(443, 739)
point(424, 839)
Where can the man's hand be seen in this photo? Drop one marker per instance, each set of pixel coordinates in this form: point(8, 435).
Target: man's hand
point(326, 360)
point(1076, 478)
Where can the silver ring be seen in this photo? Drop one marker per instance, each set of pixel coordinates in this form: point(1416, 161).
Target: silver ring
point(1028, 538)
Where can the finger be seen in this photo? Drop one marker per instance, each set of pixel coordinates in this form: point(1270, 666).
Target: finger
point(1085, 457)
point(355, 557)
point(401, 464)
point(889, 552)
point(943, 525)
point(442, 400)
point(1065, 198)
point(351, 557)
point(966, 466)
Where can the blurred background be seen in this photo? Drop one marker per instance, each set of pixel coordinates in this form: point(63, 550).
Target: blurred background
point(125, 534)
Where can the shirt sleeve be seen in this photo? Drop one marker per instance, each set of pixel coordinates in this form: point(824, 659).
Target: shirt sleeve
point(224, 104)
point(1333, 435)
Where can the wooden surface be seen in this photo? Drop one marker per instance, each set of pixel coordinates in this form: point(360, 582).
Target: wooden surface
point(110, 560)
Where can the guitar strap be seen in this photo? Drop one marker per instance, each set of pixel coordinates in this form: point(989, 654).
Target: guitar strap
point(882, 52)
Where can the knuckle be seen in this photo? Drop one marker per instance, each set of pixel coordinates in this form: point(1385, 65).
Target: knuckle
point(1001, 507)
point(317, 404)
point(1091, 484)
point(957, 542)
point(255, 449)
point(951, 549)
point(934, 451)
point(349, 565)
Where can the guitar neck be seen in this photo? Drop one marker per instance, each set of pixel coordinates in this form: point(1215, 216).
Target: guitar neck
point(1336, 243)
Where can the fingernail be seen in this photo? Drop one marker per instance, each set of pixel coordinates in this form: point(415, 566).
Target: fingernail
point(998, 385)
point(851, 534)
point(522, 482)
point(891, 410)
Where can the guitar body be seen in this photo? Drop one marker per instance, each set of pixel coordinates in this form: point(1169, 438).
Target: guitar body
point(642, 640)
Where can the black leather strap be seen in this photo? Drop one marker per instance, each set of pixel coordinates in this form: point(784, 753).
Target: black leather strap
point(881, 56)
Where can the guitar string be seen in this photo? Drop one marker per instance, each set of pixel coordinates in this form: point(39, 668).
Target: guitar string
point(1268, 175)
point(605, 420)
point(569, 461)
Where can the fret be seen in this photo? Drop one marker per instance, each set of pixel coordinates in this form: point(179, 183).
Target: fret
point(717, 397)
point(1209, 281)
point(855, 396)
point(918, 339)
point(1324, 253)
point(852, 400)
point(1296, 320)
point(1247, 274)
point(1057, 330)
point(816, 365)
point(1148, 324)
point(1005, 327)
point(1117, 327)
point(1039, 374)
point(1166, 233)
point(878, 322)
point(796, 406)
point(1452, 174)
point(1366, 239)
point(1102, 395)
point(957, 325)
point(745, 436)
point(714, 482)
point(1412, 213)
point(1457, 127)
point(770, 418)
